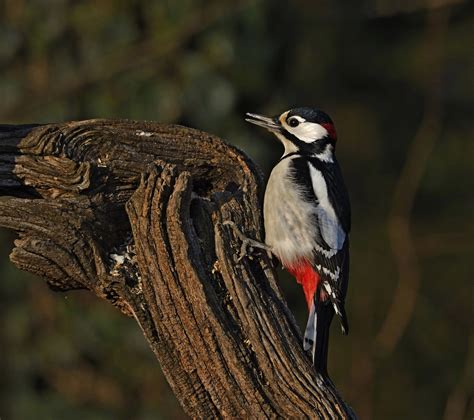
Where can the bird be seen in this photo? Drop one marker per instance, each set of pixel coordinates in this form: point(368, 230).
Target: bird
point(307, 219)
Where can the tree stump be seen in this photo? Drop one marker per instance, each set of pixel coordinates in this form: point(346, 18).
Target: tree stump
point(133, 211)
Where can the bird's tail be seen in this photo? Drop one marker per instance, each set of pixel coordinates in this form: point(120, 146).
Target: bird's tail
point(311, 332)
point(316, 336)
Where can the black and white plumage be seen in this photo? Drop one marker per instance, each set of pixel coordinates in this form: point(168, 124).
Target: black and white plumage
point(307, 219)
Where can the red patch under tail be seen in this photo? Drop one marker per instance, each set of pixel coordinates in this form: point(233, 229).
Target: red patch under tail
point(307, 277)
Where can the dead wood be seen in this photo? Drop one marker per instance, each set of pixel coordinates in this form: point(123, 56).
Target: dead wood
point(133, 212)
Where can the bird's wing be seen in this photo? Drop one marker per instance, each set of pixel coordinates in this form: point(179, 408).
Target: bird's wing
point(321, 183)
point(331, 253)
point(337, 194)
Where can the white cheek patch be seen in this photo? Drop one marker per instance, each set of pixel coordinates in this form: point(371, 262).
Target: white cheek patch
point(308, 131)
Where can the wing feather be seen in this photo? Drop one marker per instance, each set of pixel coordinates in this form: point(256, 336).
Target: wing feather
point(331, 255)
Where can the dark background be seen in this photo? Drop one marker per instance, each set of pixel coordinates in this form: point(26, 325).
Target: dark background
point(397, 78)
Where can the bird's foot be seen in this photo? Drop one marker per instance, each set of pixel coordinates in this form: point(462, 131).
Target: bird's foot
point(247, 243)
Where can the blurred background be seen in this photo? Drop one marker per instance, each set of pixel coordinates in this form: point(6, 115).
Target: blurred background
point(397, 78)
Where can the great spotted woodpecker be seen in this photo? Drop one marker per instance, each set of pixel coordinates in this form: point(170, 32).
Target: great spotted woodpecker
point(307, 219)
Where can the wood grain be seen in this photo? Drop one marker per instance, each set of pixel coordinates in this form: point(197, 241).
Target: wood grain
point(133, 212)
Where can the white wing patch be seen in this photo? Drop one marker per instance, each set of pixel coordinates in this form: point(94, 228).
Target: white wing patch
point(331, 230)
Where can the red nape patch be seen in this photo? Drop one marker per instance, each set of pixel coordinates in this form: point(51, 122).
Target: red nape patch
point(331, 130)
point(307, 277)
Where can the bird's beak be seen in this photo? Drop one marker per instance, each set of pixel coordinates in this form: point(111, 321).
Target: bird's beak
point(271, 124)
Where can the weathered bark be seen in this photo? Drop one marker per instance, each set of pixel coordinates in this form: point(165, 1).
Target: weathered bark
point(133, 211)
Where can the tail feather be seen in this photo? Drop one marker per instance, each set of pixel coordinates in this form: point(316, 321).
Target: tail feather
point(325, 315)
point(310, 334)
point(316, 337)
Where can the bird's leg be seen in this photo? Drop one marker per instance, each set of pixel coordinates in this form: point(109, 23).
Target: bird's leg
point(247, 242)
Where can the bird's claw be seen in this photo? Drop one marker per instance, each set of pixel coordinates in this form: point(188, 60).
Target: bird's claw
point(243, 251)
point(247, 243)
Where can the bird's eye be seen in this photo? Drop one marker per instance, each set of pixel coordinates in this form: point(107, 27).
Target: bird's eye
point(293, 122)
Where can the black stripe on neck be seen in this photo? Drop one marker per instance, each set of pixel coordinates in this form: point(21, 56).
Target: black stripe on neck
point(290, 154)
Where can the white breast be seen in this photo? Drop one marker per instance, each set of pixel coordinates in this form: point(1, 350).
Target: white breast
point(289, 219)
